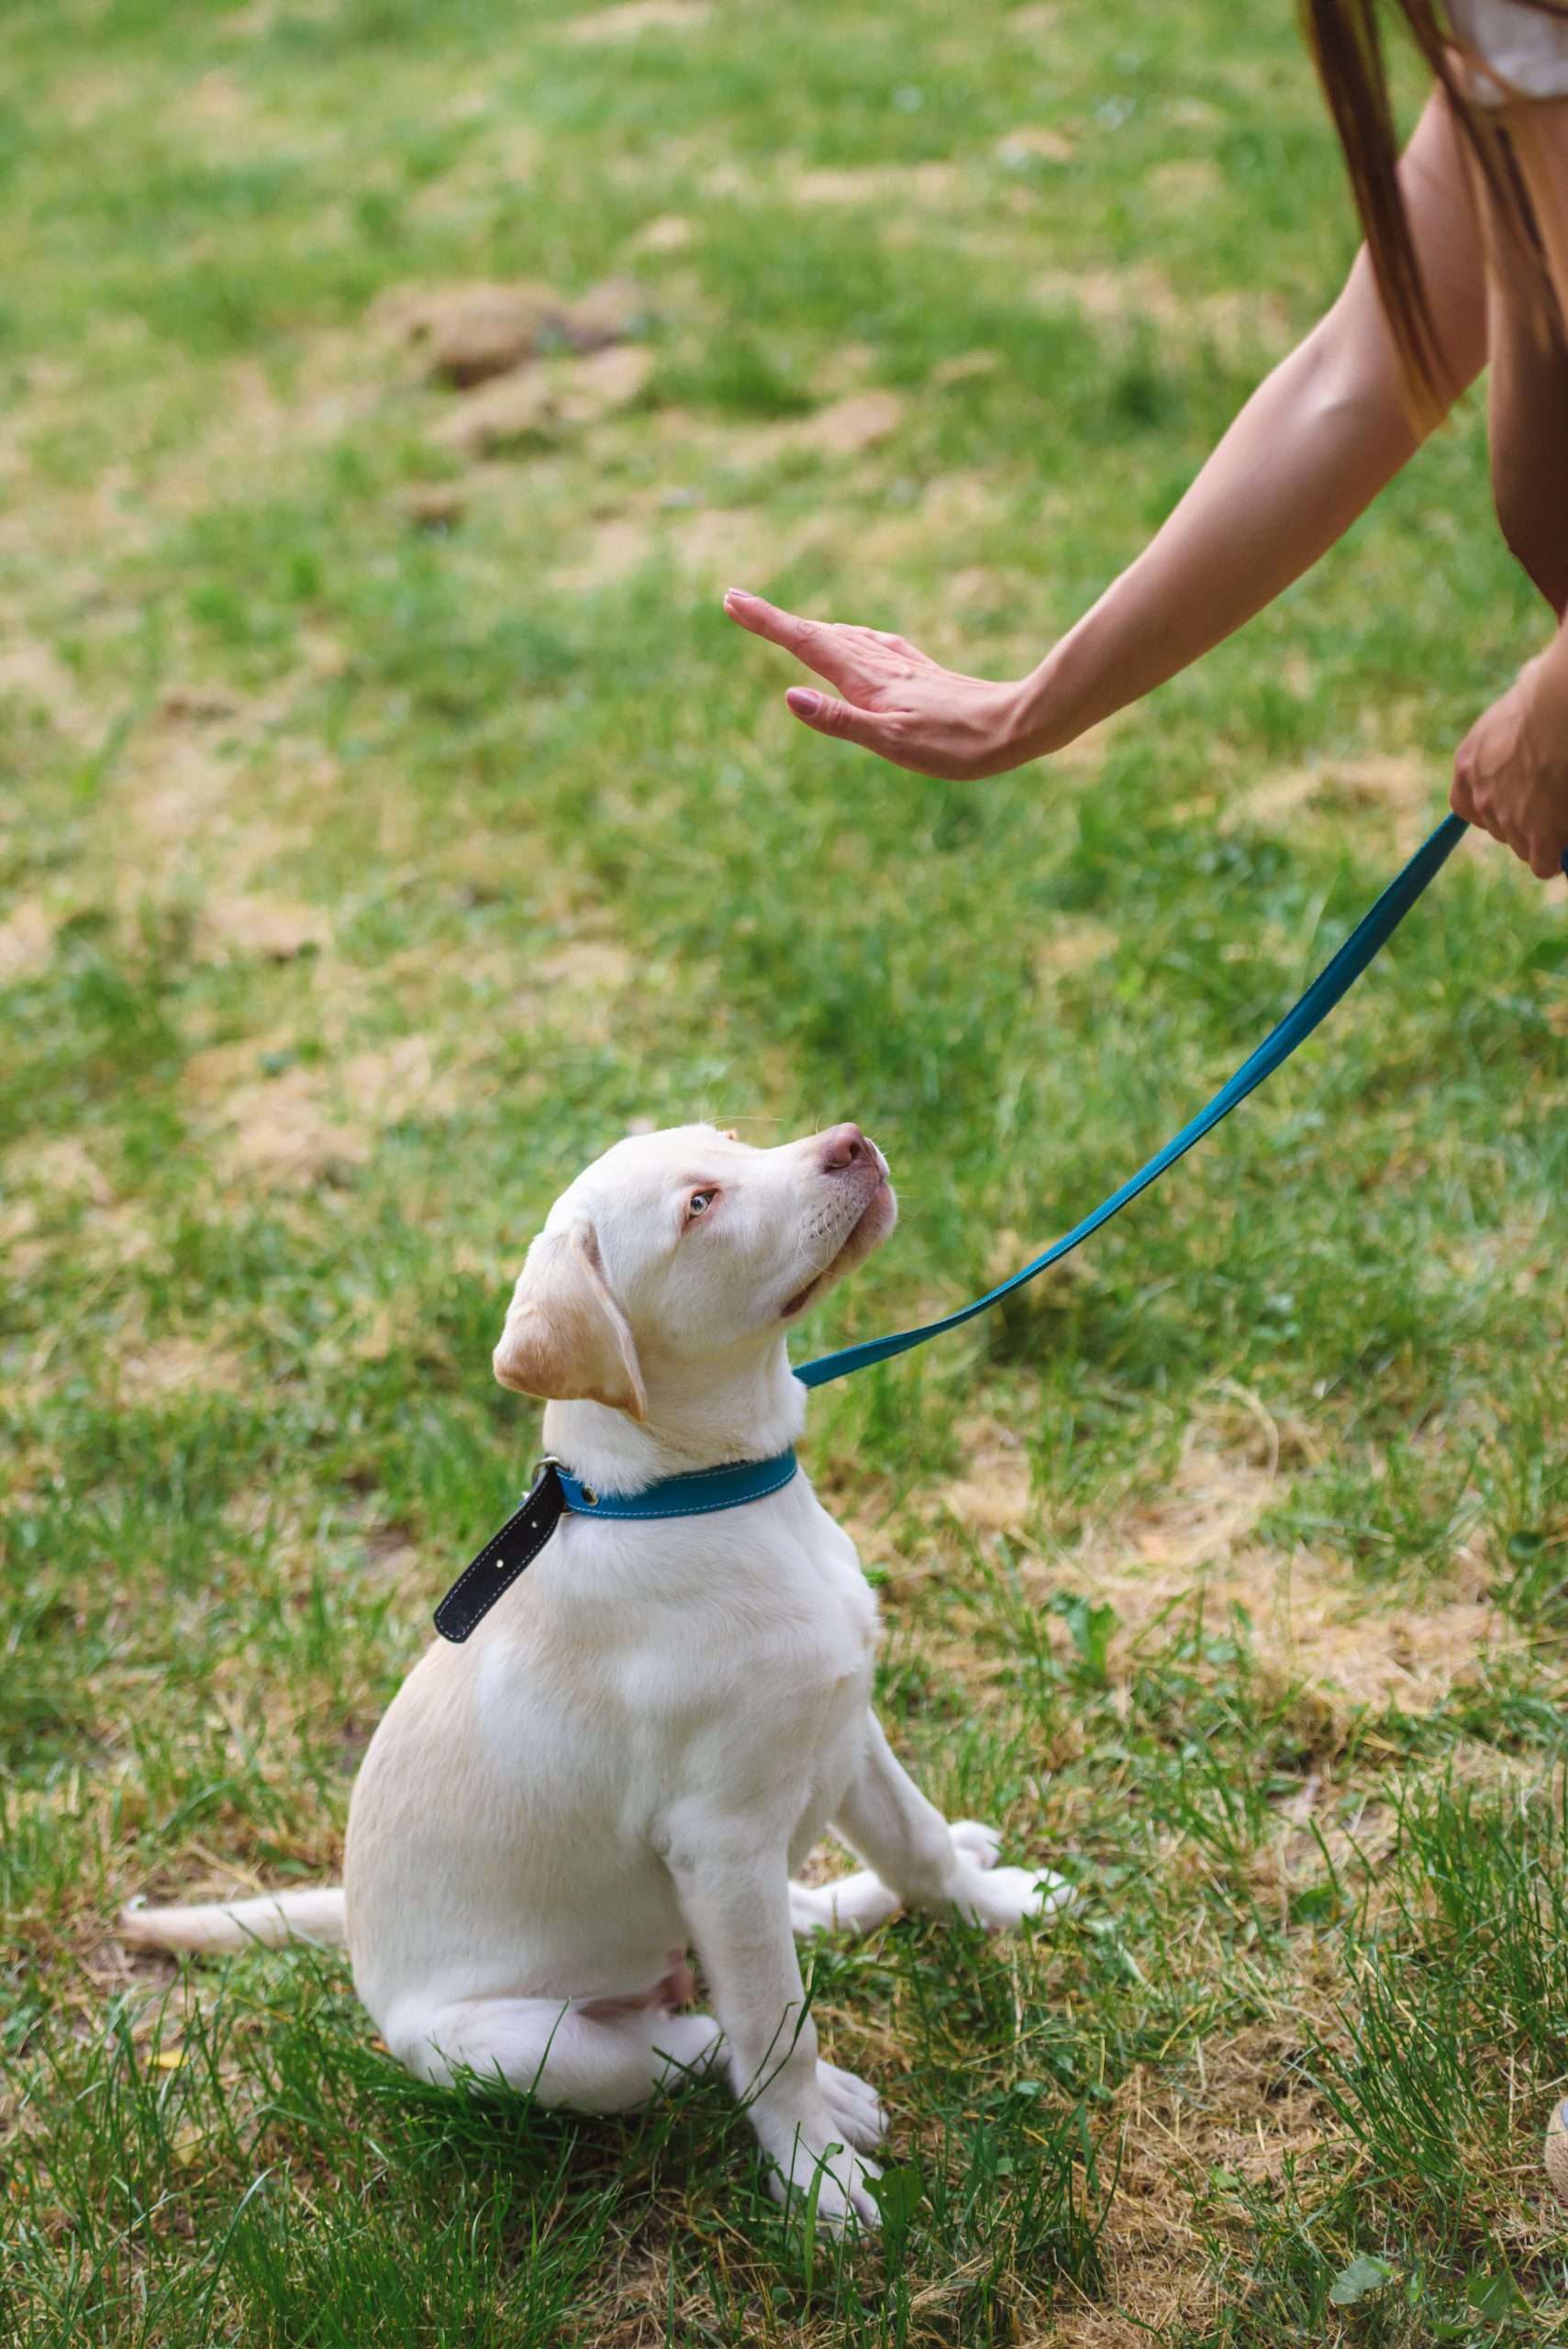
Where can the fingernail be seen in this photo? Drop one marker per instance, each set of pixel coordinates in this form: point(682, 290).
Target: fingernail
point(742, 595)
point(803, 701)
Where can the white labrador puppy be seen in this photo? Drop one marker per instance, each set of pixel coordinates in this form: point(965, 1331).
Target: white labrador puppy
point(659, 1718)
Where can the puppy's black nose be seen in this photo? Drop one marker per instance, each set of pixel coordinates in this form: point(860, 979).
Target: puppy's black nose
point(843, 1147)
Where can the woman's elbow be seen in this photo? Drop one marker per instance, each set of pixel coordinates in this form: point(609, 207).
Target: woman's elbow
point(1535, 531)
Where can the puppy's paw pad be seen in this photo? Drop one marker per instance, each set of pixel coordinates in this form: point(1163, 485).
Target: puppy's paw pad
point(977, 1841)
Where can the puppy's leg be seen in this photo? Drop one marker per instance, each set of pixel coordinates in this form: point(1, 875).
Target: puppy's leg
point(856, 1903)
point(885, 1820)
point(813, 2121)
point(592, 2055)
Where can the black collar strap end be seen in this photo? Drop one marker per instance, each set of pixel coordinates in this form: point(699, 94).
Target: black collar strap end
point(490, 1575)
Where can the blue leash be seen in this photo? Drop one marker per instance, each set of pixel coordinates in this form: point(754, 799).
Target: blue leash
point(1367, 940)
point(557, 1493)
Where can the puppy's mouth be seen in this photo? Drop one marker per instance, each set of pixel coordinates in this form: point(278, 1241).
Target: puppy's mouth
point(869, 1228)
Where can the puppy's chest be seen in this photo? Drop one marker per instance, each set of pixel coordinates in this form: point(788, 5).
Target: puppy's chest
point(793, 1622)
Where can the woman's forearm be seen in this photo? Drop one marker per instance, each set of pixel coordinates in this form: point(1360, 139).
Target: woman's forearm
point(1312, 448)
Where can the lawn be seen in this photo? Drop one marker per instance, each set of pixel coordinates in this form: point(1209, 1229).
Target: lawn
point(392, 819)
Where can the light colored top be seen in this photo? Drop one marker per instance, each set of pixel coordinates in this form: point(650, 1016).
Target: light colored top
point(1520, 52)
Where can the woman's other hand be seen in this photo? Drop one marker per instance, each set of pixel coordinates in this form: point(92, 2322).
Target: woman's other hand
point(1510, 773)
point(895, 700)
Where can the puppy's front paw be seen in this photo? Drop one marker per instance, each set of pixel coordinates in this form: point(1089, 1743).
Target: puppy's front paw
point(1000, 1898)
point(855, 2107)
point(972, 1840)
point(815, 2157)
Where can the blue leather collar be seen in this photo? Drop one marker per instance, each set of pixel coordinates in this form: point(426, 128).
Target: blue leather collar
point(554, 1494)
point(691, 1495)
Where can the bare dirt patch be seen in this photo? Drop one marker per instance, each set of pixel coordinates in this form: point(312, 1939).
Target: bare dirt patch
point(60, 1167)
point(1244, 2110)
point(931, 183)
point(466, 334)
point(542, 398)
point(994, 1494)
point(283, 1131)
point(1190, 180)
point(272, 929)
point(34, 674)
point(1311, 1619)
point(399, 1080)
point(1234, 319)
point(1403, 785)
point(181, 1365)
point(26, 941)
point(609, 27)
point(1034, 142)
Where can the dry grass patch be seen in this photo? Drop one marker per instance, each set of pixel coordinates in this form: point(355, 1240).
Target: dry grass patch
point(1361, 1648)
point(632, 18)
point(1403, 785)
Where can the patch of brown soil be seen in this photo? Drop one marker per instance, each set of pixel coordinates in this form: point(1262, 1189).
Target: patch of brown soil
point(933, 184)
point(60, 1168)
point(994, 1493)
point(632, 18)
point(282, 1129)
point(172, 787)
point(670, 232)
point(259, 928)
point(1235, 318)
point(34, 674)
point(1087, 751)
point(1033, 143)
point(399, 1080)
point(1242, 2109)
point(181, 1365)
point(212, 98)
point(963, 367)
point(1312, 1620)
point(1403, 784)
point(197, 705)
point(26, 941)
point(468, 333)
point(542, 398)
point(1112, 297)
point(847, 428)
point(1074, 946)
point(1035, 21)
point(1191, 180)
point(589, 962)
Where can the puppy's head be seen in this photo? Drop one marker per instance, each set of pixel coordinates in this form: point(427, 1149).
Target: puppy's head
point(684, 1248)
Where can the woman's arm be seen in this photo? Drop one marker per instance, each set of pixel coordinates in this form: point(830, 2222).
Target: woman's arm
point(1308, 454)
point(1510, 773)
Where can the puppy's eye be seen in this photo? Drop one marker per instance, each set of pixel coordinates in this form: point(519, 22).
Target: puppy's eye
point(699, 1204)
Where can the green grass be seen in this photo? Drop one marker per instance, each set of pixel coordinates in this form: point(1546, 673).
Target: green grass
point(361, 878)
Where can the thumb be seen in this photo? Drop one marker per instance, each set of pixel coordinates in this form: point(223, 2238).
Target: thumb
point(824, 715)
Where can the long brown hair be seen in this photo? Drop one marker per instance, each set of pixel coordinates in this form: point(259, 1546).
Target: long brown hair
point(1345, 37)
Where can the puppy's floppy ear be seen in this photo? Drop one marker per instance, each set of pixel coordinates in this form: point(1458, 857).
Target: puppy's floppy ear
point(565, 1337)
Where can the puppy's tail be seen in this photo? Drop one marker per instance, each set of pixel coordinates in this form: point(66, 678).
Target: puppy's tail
point(268, 1921)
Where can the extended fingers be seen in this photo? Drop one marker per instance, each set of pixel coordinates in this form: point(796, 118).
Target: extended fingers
point(872, 729)
point(806, 638)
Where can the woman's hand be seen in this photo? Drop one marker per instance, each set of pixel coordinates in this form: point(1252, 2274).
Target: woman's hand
point(897, 701)
point(1510, 773)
